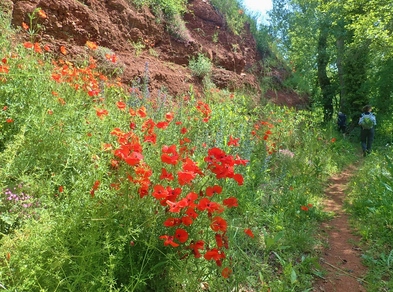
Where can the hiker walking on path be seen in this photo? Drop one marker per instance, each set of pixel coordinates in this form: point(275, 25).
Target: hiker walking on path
point(367, 122)
point(342, 122)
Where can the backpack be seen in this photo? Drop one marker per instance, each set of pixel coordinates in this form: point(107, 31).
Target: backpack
point(366, 121)
point(341, 120)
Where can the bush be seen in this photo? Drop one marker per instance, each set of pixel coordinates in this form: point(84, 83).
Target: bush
point(200, 66)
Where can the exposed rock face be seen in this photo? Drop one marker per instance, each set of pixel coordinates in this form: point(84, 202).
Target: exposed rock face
point(142, 43)
point(121, 27)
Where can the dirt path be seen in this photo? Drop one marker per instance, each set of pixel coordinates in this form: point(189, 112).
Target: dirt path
point(341, 256)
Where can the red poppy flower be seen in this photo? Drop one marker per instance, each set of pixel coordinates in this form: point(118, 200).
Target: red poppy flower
point(218, 224)
point(190, 198)
point(183, 130)
point(175, 207)
point(168, 240)
point(238, 178)
point(56, 77)
point(184, 141)
point(230, 202)
point(150, 138)
point(37, 48)
point(143, 190)
point(4, 69)
point(141, 112)
point(93, 92)
point(226, 272)
point(239, 161)
point(121, 105)
point(9, 120)
point(304, 208)
point(190, 165)
point(216, 255)
point(186, 220)
point(133, 158)
point(233, 141)
point(181, 235)
point(191, 213)
point(169, 116)
point(25, 26)
point(61, 189)
point(111, 57)
point(196, 247)
point(159, 192)
point(94, 188)
point(219, 240)
point(212, 190)
point(162, 125)
point(28, 45)
point(169, 154)
point(166, 175)
point(212, 254)
point(210, 207)
point(63, 50)
point(185, 177)
point(248, 231)
point(203, 204)
point(96, 185)
point(172, 222)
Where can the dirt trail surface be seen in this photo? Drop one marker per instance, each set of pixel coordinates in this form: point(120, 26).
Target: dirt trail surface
point(341, 258)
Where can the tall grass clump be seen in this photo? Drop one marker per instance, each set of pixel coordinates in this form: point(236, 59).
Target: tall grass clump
point(106, 187)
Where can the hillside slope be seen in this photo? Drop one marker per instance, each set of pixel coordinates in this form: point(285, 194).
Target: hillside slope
point(143, 46)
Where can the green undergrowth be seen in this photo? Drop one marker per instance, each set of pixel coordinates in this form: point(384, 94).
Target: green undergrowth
point(108, 187)
point(370, 203)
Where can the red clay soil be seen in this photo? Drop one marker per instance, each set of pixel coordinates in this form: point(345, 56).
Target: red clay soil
point(341, 258)
point(118, 25)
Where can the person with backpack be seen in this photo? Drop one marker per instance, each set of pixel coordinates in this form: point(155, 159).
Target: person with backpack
point(367, 122)
point(341, 122)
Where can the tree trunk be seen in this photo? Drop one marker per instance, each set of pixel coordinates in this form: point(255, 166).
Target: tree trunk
point(323, 79)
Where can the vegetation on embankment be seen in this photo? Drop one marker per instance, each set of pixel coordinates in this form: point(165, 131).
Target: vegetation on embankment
point(105, 187)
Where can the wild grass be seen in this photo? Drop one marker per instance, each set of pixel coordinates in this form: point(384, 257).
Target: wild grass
point(369, 202)
point(105, 187)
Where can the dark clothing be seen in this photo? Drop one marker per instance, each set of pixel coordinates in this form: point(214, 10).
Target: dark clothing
point(366, 139)
point(342, 122)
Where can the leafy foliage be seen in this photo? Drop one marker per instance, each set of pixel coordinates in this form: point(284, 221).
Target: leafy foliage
point(346, 57)
point(200, 66)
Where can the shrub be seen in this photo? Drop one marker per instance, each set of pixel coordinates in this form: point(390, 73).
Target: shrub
point(200, 66)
